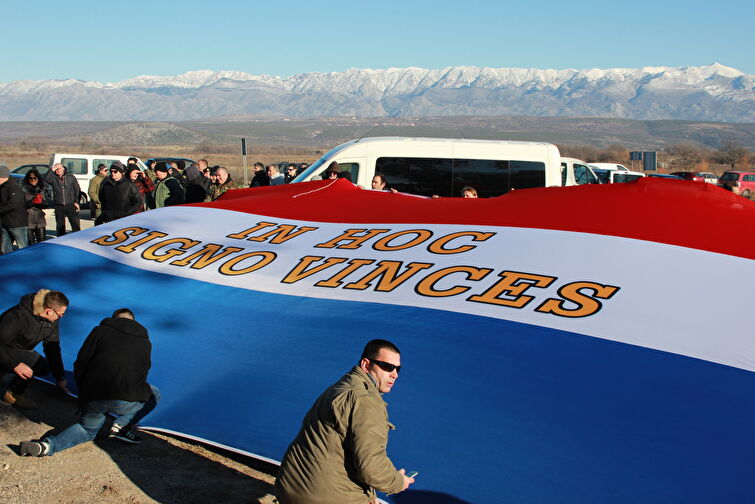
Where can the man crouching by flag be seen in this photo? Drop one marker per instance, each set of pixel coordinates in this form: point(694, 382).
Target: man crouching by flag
point(111, 371)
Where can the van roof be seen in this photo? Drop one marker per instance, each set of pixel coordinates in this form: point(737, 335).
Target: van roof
point(446, 140)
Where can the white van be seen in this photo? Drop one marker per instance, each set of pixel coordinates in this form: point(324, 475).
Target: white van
point(617, 176)
point(83, 166)
point(443, 166)
point(610, 166)
point(583, 174)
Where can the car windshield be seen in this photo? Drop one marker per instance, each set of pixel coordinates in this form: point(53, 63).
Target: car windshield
point(312, 169)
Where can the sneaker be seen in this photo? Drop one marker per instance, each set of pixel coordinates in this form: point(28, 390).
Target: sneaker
point(32, 448)
point(19, 401)
point(127, 436)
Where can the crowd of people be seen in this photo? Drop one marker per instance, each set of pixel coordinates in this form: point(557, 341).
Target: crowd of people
point(116, 191)
point(339, 454)
point(120, 190)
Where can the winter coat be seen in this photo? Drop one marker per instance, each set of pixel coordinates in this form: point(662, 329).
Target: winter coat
point(145, 186)
point(12, 205)
point(114, 361)
point(36, 202)
point(217, 190)
point(168, 192)
point(260, 179)
point(339, 455)
point(119, 199)
point(198, 190)
point(277, 180)
point(94, 195)
point(22, 329)
point(65, 189)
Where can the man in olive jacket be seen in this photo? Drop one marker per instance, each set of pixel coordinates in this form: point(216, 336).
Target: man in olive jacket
point(168, 190)
point(94, 191)
point(339, 455)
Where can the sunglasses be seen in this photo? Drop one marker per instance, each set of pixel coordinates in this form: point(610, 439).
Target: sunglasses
point(56, 313)
point(386, 366)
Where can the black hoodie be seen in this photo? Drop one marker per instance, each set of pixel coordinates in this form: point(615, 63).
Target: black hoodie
point(114, 361)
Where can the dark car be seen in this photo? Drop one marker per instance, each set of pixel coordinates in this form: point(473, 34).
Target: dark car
point(21, 171)
point(686, 175)
point(664, 175)
point(182, 163)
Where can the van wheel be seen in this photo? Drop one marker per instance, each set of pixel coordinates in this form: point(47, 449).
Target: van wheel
point(83, 199)
point(746, 193)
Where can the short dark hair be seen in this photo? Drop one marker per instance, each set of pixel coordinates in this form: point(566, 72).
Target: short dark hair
point(55, 299)
point(132, 158)
point(123, 311)
point(259, 164)
point(372, 348)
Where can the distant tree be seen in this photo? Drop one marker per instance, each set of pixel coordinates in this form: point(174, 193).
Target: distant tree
point(731, 153)
point(688, 152)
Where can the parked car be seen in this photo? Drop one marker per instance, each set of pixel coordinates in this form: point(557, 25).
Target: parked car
point(583, 174)
point(708, 177)
point(616, 176)
point(738, 182)
point(691, 176)
point(609, 166)
point(20, 171)
point(664, 175)
point(182, 163)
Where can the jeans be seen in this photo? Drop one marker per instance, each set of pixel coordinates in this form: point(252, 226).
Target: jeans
point(17, 233)
point(127, 414)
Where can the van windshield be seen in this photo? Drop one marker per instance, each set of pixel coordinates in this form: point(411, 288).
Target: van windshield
point(325, 157)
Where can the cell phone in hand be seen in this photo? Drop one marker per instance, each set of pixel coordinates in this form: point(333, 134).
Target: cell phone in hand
point(411, 474)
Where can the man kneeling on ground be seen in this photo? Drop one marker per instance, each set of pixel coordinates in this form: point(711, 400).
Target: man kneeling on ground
point(111, 371)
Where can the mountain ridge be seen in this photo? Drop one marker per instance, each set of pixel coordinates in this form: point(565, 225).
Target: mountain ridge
point(713, 93)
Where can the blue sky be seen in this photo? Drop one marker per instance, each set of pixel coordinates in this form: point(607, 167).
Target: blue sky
point(111, 41)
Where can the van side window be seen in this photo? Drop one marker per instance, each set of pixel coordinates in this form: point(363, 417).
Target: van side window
point(352, 168)
point(526, 174)
point(423, 176)
point(488, 176)
point(75, 166)
point(446, 177)
point(98, 162)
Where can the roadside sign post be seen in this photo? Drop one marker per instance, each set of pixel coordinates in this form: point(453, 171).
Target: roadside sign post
point(243, 161)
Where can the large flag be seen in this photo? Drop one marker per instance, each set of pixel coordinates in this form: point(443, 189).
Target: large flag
point(586, 344)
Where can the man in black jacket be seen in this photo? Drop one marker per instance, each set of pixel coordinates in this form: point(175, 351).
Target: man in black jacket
point(65, 190)
point(111, 371)
point(22, 327)
point(119, 196)
point(13, 220)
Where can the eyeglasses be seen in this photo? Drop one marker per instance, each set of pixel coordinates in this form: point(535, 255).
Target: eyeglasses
point(33, 178)
point(386, 366)
point(56, 312)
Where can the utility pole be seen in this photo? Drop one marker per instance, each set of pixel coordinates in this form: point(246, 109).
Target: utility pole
point(243, 161)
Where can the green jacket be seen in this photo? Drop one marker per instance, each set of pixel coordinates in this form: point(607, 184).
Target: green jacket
point(339, 455)
point(94, 195)
point(168, 192)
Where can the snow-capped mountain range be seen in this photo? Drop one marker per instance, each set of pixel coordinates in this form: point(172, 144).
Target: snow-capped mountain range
point(705, 93)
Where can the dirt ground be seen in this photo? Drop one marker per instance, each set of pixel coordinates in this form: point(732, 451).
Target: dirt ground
point(162, 469)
